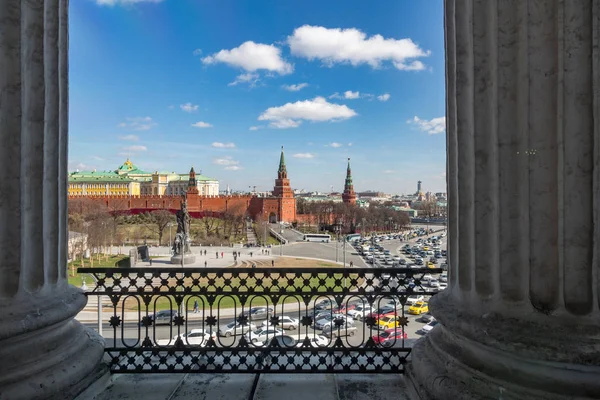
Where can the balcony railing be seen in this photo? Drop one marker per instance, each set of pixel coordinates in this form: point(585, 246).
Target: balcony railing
point(312, 319)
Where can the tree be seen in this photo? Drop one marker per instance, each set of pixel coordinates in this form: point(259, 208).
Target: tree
point(159, 220)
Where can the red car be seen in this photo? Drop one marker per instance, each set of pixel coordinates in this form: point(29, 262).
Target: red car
point(344, 309)
point(389, 336)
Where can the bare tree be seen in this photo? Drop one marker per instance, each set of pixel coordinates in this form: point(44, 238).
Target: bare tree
point(158, 221)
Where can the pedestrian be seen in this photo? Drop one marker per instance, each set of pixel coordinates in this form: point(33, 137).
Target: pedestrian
point(253, 265)
point(272, 263)
point(195, 306)
point(205, 264)
point(204, 252)
point(222, 254)
point(250, 254)
point(217, 254)
point(351, 264)
point(150, 262)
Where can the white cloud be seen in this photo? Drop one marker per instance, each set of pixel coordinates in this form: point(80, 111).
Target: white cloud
point(384, 97)
point(295, 88)
point(131, 138)
point(138, 123)
point(336, 95)
point(389, 171)
point(303, 155)
point(351, 46)
point(197, 52)
point(255, 128)
point(189, 107)
point(349, 94)
point(334, 144)
point(124, 2)
point(171, 107)
point(432, 126)
point(223, 145)
point(97, 158)
point(350, 144)
point(135, 148)
point(226, 161)
point(290, 115)
point(201, 124)
point(251, 78)
point(252, 57)
point(233, 168)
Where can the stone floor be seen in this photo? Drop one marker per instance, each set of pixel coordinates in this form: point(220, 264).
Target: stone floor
point(247, 387)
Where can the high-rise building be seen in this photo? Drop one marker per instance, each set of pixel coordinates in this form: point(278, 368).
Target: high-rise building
point(349, 196)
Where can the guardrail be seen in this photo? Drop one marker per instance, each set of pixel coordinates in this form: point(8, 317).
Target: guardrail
point(314, 319)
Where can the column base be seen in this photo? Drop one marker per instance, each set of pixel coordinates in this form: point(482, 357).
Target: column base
point(45, 352)
point(489, 357)
point(187, 259)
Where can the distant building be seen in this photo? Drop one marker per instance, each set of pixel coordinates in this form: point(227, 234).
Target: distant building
point(349, 197)
point(370, 194)
point(129, 180)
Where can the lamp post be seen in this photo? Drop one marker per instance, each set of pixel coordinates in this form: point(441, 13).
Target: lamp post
point(280, 239)
point(170, 224)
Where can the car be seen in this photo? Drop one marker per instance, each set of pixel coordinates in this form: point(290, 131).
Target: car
point(282, 341)
point(258, 313)
point(402, 261)
point(396, 258)
point(262, 334)
point(360, 311)
point(430, 265)
point(328, 320)
point(383, 311)
point(444, 267)
point(414, 298)
point(389, 336)
point(444, 253)
point(285, 322)
point(162, 317)
point(443, 285)
point(388, 322)
point(418, 308)
point(444, 277)
point(426, 318)
point(387, 252)
point(427, 328)
point(235, 328)
point(315, 341)
point(389, 261)
point(434, 283)
point(346, 329)
point(195, 337)
point(427, 277)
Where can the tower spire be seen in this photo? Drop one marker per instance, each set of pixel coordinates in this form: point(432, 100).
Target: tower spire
point(349, 196)
point(282, 171)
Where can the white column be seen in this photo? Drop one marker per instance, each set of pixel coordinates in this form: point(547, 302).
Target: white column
point(520, 318)
point(45, 353)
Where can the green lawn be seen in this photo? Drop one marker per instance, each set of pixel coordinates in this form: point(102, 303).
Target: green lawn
point(106, 261)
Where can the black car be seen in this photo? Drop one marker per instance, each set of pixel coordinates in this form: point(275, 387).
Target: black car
point(162, 317)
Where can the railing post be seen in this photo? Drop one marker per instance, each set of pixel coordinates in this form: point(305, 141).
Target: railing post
point(100, 315)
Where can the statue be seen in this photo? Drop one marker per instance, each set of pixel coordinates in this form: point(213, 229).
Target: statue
point(181, 252)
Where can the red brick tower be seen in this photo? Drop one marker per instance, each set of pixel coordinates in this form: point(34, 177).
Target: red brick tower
point(349, 196)
point(284, 194)
point(192, 184)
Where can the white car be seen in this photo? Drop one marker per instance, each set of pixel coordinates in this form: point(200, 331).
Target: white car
point(427, 328)
point(389, 261)
point(235, 328)
point(434, 283)
point(443, 285)
point(414, 298)
point(444, 277)
point(426, 278)
point(396, 258)
point(262, 334)
point(317, 341)
point(285, 322)
point(360, 311)
point(195, 337)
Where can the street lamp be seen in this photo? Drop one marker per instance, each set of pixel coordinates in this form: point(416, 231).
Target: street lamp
point(280, 239)
point(170, 224)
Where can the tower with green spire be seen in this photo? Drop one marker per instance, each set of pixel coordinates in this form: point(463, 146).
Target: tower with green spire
point(349, 196)
point(282, 183)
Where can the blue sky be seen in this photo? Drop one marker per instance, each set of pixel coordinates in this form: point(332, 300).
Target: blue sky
point(222, 85)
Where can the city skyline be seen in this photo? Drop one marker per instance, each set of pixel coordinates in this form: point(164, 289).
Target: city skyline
point(159, 82)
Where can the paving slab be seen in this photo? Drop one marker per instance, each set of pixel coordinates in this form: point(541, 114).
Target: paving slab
point(215, 387)
point(134, 386)
point(296, 387)
point(372, 387)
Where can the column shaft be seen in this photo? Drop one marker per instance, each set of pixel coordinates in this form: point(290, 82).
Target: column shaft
point(520, 318)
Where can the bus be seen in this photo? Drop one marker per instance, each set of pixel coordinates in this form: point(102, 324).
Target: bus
point(316, 237)
point(353, 237)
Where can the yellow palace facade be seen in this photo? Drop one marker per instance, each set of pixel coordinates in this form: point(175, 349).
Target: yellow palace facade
point(129, 180)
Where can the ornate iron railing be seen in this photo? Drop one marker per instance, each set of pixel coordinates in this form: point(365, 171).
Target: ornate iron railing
point(212, 315)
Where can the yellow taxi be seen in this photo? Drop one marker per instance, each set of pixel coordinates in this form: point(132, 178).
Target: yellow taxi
point(420, 307)
point(425, 248)
point(430, 265)
point(389, 322)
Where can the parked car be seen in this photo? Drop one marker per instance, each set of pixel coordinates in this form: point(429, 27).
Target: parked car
point(413, 298)
point(258, 313)
point(392, 335)
point(360, 311)
point(262, 334)
point(328, 320)
point(195, 337)
point(316, 341)
point(444, 277)
point(418, 308)
point(346, 329)
point(427, 328)
point(388, 322)
point(426, 318)
point(235, 328)
point(282, 341)
point(162, 317)
point(285, 322)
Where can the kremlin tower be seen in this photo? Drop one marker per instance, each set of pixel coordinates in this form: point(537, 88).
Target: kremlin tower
point(282, 183)
point(284, 209)
point(192, 183)
point(349, 197)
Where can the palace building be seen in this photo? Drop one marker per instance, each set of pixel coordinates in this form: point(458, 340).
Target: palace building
point(129, 180)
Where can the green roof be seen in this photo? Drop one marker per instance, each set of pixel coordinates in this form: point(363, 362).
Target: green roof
point(98, 177)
